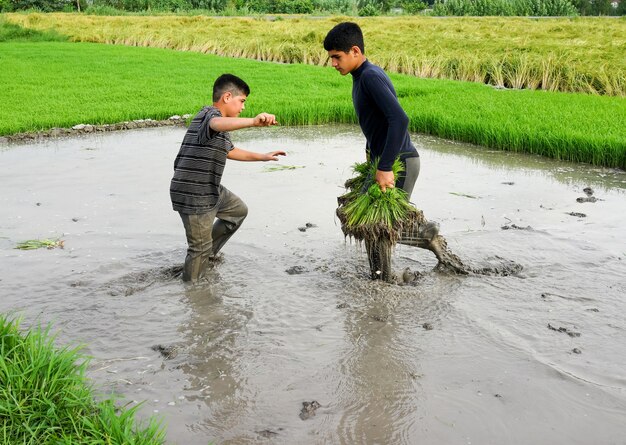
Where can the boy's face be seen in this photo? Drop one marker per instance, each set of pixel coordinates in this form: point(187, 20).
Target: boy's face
point(346, 62)
point(234, 104)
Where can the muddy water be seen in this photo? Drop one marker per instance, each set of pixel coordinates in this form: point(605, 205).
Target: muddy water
point(289, 316)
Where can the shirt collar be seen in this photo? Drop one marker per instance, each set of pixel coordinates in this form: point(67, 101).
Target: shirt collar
point(357, 72)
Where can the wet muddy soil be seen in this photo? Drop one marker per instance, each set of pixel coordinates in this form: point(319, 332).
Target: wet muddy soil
point(289, 319)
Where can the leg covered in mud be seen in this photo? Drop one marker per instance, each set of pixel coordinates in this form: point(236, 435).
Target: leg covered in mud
point(425, 235)
point(379, 256)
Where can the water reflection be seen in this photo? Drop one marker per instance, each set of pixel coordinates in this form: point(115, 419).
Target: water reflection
point(212, 338)
point(380, 390)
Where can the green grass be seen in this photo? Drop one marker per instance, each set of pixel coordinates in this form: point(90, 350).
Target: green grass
point(56, 84)
point(45, 397)
point(583, 54)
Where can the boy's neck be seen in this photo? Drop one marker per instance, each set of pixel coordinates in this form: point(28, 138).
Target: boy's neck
point(361, 60)
point(359, 64)
point(220, 106)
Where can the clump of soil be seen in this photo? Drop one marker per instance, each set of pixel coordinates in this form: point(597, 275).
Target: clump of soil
point(308, 409)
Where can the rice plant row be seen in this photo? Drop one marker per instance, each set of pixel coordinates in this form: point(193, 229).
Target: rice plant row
point(556, 54)
point(61, 84)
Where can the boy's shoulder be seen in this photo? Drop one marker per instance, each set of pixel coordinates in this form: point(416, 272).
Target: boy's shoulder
point(208, 111)
point(374, 76)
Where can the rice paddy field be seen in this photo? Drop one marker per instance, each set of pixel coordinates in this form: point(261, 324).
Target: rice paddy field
point(59, 84)
point(557, 54)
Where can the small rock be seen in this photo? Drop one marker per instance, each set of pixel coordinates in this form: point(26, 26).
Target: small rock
point(508, 183)
point(302, 229)
point(75, 219)
point(78, 127)
point(310, 225)
point(577, 351)
point(588, 191)
point(577, 214)
point(428, 326)
point(176, 117)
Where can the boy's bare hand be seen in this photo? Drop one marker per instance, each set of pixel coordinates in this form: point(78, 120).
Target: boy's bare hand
point(385, 180)
point(273, 155)
point(265, 120)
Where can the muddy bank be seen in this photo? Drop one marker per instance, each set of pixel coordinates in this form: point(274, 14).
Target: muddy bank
point(290, 319)
point(85, 129)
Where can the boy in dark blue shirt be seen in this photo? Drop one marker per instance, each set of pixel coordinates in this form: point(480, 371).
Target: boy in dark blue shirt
point(381, 117)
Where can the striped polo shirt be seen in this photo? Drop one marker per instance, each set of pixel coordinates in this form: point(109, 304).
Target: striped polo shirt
point(199, 165)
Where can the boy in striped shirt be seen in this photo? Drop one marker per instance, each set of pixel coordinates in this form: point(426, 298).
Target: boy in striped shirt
point(211, 213)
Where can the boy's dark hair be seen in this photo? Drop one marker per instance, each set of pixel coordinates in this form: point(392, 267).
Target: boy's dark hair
point(228, 83)
point(343, 37)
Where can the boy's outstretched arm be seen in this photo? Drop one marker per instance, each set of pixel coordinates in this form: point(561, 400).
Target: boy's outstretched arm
point(238, 154)
point(237, 123)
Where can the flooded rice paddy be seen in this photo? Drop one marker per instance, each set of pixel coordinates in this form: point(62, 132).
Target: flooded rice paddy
point(289, 341)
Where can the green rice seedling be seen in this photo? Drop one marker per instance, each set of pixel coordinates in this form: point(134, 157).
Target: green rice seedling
point(278, 168)
point(368, 213)
point(33, 244)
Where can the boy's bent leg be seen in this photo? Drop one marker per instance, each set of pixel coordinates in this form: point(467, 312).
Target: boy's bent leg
point(198, 229)
point(230, 215)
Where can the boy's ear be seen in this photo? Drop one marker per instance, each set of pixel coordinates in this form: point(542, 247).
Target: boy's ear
point(227, 96)
point(356, 50)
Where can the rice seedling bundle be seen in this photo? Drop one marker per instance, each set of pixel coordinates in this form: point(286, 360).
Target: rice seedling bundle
point(369, 214)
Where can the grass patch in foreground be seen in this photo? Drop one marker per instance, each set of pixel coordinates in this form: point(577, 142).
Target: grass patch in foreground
point(54, 84)
point(46, 398)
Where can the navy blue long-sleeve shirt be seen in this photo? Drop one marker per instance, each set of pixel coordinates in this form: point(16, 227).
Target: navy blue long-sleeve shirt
point(383, 121)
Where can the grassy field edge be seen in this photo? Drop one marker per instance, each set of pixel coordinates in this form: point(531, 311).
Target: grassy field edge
point(59, 84)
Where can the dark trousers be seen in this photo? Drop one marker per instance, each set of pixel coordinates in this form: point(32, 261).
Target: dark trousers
point(208, 232)
point(406, 179)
